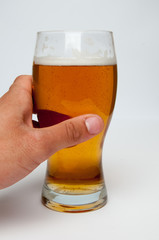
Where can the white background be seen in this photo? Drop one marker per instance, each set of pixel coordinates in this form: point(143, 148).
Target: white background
point(130, 155)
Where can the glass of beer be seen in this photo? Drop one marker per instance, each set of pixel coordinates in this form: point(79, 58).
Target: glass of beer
point(75, 73)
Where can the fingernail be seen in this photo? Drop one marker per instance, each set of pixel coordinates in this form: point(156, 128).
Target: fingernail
point(94, 125)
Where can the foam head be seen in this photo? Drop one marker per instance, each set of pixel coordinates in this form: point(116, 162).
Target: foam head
point(75, 48)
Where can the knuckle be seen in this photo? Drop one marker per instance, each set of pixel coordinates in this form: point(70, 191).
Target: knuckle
point(41, 142)
point(19, 78)
point(15, 82)
point(36, 138)
point(32, 138)
point(42, 145)
point(18, 81)
point(34, 144)
point(29, 151)
point(73, 134)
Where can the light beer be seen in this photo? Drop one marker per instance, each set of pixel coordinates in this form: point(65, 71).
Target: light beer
point(63, 92)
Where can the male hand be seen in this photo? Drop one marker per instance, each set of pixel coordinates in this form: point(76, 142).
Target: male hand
point(23, 147)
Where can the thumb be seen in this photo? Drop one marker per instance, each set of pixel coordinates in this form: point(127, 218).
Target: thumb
point(66, 134)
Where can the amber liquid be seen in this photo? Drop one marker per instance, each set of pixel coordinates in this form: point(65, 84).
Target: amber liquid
point(63, 92)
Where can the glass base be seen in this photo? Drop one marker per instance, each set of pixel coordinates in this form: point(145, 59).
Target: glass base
point(73, 203)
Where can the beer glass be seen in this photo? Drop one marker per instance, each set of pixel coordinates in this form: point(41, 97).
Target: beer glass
point(75, 73)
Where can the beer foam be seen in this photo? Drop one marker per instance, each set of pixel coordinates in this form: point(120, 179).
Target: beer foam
point(76, 61)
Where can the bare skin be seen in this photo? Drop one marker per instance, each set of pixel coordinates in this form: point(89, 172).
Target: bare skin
point(23, 147)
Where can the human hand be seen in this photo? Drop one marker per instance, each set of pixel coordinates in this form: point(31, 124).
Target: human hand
point(23, 147)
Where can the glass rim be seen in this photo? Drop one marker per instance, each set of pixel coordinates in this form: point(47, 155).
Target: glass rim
point(75, 31)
